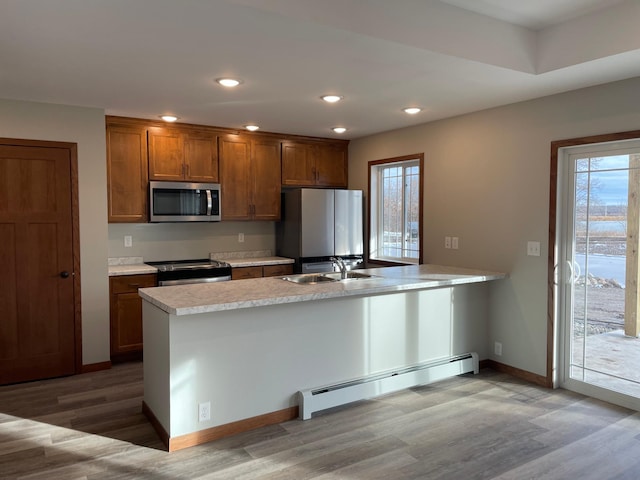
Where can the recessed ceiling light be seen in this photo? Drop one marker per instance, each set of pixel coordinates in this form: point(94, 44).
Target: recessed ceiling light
point(169, 118)
point(339, 129)
point(252, 128)
point(412, 110)
point(332, 98)
point(228, 82)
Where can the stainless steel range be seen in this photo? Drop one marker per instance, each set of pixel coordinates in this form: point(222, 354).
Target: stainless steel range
point(180, 272)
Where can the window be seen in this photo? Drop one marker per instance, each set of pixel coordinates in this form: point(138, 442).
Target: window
point(395, 209)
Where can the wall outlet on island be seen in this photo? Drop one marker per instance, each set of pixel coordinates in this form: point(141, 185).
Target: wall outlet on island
point(128, 241)
point(204, 411)
point(497, 348)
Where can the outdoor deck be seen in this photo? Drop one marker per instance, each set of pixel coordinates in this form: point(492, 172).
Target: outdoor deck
point(612, 361)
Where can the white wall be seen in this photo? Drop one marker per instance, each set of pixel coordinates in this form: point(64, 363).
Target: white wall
point(84, 126)
point(487, 182)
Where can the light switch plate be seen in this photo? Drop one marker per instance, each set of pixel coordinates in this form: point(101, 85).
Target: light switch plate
point(447, 242)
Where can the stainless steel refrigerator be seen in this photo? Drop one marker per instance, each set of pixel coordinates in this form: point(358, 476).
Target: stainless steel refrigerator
point(318, 224)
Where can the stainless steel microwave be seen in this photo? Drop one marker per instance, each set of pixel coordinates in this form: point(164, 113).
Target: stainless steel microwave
point(184, 202)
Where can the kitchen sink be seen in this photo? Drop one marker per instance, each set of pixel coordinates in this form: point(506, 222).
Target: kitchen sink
point(308, 279)
point(313, 278)
point(351, 275)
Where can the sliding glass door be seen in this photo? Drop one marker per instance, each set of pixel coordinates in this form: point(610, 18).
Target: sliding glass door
point(598, 270)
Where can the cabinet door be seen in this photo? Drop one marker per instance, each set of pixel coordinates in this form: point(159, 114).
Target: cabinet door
point(298, 165)
point(127, 180)
point(277, 270)
point(331, 166)
point(166, 154)
point(201, 158)
point(126, 323)
point(266, 180)
point(126, 314)
point(235, 168)
point(241, 273)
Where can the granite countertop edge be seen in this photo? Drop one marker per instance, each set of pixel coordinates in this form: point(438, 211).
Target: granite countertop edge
point(116, 269)
point(206, 298)
point(137, 269)
point(256, 261)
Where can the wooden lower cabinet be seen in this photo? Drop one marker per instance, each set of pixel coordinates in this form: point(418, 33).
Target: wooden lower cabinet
point(126, 315)
point(241, 273)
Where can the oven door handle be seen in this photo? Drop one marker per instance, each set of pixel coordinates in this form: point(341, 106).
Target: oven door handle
point(192, 267)
point(209, 203)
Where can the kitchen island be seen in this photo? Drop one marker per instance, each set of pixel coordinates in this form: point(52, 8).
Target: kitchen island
point(241, 351)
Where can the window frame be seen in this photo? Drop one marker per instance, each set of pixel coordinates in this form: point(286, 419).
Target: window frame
point(373, 209)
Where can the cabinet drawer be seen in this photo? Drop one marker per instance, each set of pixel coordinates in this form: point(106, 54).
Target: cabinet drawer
point(240, 273)
point(277, 270)
point(131, 283)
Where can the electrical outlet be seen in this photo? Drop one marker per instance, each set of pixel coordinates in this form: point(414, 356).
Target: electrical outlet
point(533, 249)
point(128, 241)
point(447, 242)
point(497, 348)
point(204, 411)
point(241, 238)
point(454, 243)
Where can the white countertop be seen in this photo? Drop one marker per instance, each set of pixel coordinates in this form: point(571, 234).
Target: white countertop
point(256, 261)
point(134, 265)
point(135, 269)
point(128, 266)
point(212, 297)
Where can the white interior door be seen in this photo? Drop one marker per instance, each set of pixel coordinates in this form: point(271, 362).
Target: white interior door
point(597, 272)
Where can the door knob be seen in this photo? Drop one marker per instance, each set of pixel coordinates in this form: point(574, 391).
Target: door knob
point(64, 274)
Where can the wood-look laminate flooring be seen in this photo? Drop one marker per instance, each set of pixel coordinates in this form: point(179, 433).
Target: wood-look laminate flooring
point(486, 426)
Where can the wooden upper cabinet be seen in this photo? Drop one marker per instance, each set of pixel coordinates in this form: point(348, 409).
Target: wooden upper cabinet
point(251, 168)
point(235, 166)
point(298, 165)
point(249, 178)
point(201, 157)
point(266, 179)
point(314, 165)
point(127, 179)
point(331, 166)
point(182, 156)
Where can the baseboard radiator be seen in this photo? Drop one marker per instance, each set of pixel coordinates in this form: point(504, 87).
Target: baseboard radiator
point(321, 398)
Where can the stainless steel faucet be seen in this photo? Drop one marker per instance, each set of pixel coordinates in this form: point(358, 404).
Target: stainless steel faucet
point(339, 262)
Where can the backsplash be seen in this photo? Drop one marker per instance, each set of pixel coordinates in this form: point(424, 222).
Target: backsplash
point(118, 261)
point(177, 241)
point(241, 255)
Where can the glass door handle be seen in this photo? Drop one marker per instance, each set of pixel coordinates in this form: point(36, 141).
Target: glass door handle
point(574, 271)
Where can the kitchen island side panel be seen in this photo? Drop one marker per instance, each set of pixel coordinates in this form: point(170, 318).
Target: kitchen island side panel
point(253, 361)
point(157, 375)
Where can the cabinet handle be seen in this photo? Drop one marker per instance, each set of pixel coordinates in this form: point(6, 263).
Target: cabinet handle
point(187, 170)
point(134, 285)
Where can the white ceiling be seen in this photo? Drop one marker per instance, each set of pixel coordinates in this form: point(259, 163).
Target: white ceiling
point(143, 58)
